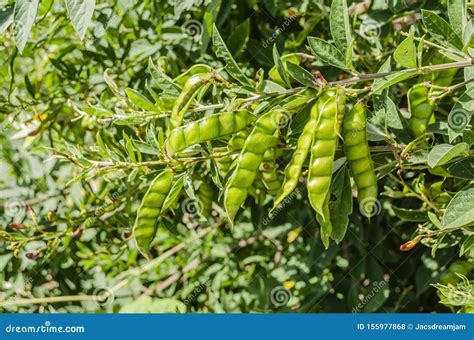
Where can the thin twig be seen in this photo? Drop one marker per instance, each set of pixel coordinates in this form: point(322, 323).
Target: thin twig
point(421, 70)
point(129, 274)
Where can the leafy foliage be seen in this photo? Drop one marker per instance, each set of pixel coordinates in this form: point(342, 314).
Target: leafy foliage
point(88, 92)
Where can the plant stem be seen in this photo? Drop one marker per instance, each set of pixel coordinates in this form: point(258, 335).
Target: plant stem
point(427, 42)
point(250, 99)
point(130, 274)
point(422, 70)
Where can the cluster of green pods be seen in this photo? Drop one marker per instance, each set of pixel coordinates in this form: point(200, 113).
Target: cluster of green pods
point(249, 151)
point(422, 97)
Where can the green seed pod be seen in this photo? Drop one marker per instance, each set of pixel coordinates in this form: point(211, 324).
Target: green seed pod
point(330, 107)
point(149, 212)
point(224, 163)
point(421, 108)
point(358, 156)
point(237, 141)
point(294, 167)
point(186, 97)
point(206, 129)
point(273, 74)
point(269, 173)
point(206, 196)
point(193, 70)
point(260, 139)
point(420, 104)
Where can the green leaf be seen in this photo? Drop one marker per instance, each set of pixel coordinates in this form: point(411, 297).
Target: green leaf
point(440, 30)
point(434, 219)
point(443, 153)
point(419, 50)
point(341, 207)
point(349, 54)
point(463, 169)
point(466, 245)
point(385, 67)
point(24, 18)
point(231, 66)
point(459, 211)
point(327, 52)
point(80, 12)
point(325, 224)
point(129, 147)
point(301, 75)
point(379, 292)
point(6, 18)
point(460, 114)
point(391, 80)
point(410, 214)
point(469, 76)
point(162, 80)
point(174, 192)
point(140, 100)
point(208, 22)
point(457, 16)
point(340, 25)
point(405, 54)
point(279, 66)
point(239, 37)
point(112, 84)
